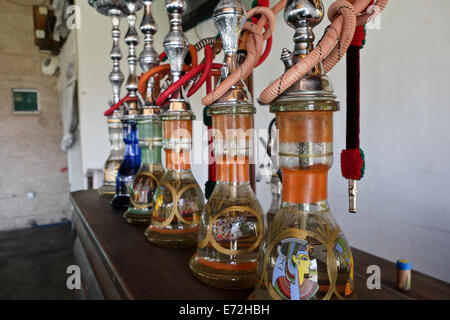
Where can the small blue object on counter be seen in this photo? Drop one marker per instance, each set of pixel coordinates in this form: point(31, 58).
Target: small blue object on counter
point(404, 268)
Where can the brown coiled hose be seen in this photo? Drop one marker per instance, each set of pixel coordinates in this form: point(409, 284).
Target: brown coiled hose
point(326, 51)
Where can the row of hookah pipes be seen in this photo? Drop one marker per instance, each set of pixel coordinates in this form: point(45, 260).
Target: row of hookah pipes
point(233, 251)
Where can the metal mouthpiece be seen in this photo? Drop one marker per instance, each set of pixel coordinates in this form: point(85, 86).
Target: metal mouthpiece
point(352, 193)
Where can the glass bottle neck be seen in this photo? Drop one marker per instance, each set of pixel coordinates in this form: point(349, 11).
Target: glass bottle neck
point(178, 160)
point(233, 172)
point(177, 143)
point(151, 155)
point(305, 186)
point(232, 147)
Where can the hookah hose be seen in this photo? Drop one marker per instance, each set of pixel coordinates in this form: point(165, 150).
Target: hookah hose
point(352, 158)
point(263, 3)
point(114, 107)
point(331, 48)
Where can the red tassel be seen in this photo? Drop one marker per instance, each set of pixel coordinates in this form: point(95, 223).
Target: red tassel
point(352, 164)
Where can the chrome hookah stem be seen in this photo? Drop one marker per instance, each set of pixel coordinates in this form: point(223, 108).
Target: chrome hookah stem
point(149, 58)
point(175, 43)
point(229, 18)
point(132, 40)
point(116, 77)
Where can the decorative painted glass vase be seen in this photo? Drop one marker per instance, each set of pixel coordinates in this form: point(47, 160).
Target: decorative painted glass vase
point(304, 254)
point(132, 159)
point(129, 166)
point(232, 223)
point(115, 9)
point(178, 200)
point(116, 155)
point(150, 172)
point(149, 132)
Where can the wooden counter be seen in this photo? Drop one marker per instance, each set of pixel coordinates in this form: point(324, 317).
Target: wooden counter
point(118, 262)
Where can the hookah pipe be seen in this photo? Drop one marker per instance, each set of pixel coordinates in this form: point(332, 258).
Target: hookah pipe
point(231, 226)
point(115, 10)
point(304, 102)
point(132, 159)
point(210, 184)
point(352, 158)
point(328, 52)
point(149, 133)
point(178, 199)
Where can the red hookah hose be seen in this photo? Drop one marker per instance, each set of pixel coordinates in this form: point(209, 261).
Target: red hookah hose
point(116, 106)
point(206, 72)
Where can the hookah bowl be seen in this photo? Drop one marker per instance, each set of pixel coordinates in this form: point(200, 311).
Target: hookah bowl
point(114, 9)
point(149, 133)
point(231, 225)
point(178, 200)
point(304, 254)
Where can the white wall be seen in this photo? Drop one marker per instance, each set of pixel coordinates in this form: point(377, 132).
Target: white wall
point(403, 202)
point(31, 160)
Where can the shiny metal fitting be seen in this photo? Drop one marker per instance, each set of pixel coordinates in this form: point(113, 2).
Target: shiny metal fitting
point(149, 58)
point(352, 196)
point(303, 15)
point(132, 40)
point(104, 6)
point(229, 17)
point(176, 44)
point(313, 92)
point(115, 9)
point(176, 47)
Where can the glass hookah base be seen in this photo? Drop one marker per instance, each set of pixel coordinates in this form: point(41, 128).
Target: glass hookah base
point(223, 279)
point(138, 219)
point(120, 202)
point(107, 191)
point(172, 240)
